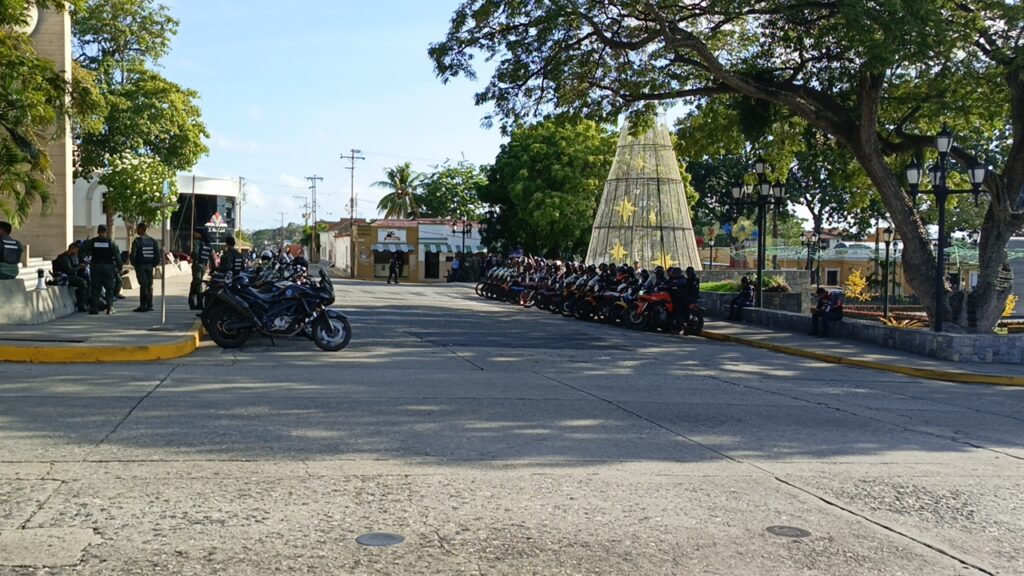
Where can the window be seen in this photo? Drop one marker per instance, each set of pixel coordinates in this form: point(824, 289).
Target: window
point(832, 277)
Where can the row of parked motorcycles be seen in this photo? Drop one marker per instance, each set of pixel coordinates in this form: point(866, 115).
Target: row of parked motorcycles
point(619, 298)
point(276, 299)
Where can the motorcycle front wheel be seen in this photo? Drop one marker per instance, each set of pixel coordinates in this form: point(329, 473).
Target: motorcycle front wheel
point(331, 333)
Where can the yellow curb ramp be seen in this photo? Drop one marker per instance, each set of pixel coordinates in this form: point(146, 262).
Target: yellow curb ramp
point(177, 348)
point(930, 374)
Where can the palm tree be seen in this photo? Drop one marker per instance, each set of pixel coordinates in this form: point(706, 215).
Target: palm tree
point(403, 184)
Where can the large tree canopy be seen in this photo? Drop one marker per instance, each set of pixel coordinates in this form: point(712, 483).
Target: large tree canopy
point(546, 182)
point(33, 104)
point(403, 184)
point(452, 191)
point(880, 77)
point(135, 113)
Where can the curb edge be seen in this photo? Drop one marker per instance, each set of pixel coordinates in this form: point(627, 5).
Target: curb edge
point(177, 348)
point(945, 376)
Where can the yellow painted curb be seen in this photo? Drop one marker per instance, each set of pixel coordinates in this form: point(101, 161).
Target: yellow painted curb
point(945, 376)
point(182, 346)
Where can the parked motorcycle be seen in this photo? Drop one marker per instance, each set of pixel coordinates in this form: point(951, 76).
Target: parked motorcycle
point(234, 309)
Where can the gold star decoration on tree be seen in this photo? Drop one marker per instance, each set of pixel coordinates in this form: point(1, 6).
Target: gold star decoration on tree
point(626, 210)
point(618, 252)
point(664, 260)
point(652, 218)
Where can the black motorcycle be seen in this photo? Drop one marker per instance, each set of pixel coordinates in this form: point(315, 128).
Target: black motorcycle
point(236, 309)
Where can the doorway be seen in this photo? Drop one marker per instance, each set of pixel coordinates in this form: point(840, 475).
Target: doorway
point(432, 261)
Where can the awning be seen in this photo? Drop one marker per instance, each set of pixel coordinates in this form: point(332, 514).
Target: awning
point(435, 247)
point(391, 248)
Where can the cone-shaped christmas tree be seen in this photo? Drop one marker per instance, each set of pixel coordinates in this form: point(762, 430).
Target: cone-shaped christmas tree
point(643, 215)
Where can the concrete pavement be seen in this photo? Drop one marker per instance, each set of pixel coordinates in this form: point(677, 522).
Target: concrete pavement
point(498, 440)
point(124, 337)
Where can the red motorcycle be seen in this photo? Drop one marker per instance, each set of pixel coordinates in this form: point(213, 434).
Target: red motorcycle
point(654, 311)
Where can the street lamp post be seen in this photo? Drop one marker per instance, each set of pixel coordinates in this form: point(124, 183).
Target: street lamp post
point(711, 264)
point(942, 192)
point(465, 228)
point(767, 195)
point(887, 238)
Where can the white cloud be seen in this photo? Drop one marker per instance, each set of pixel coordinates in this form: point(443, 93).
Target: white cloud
point(255, 112)
point(221, 142)
point(292, 181)
point(255, 197)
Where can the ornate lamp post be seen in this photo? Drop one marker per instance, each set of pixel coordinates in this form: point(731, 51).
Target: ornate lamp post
point(887, 238)
point(711, 264)
point(763, 194)
point(942, 192)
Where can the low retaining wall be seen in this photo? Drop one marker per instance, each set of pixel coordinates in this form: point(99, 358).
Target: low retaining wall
point(22, 306)
point(717, 303)
point(983, 348)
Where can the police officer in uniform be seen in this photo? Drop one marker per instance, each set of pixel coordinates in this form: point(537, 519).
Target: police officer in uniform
point(144, 256)
point(10, 253)
point(231, 260)
point(201, 252)
point(69, 264)
point(106, 261)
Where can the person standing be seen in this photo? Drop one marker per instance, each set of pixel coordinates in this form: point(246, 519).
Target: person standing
point(456, 269)
point(106, 260)
point(393, 268)
point(145, 255)
point(10, 252)
point(69, 265)
point(231, 260)
point(201, 251)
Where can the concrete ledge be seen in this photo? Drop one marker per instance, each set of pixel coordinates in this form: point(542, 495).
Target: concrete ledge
point(22, 306)
point(929, 374)
point(175, 347)
point(980, 348)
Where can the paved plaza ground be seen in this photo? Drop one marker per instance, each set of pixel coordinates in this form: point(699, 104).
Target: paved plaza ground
point(498, 440)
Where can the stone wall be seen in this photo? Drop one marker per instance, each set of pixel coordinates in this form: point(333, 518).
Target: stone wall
point(984, 348)
point(22, 306)
point(717, 303)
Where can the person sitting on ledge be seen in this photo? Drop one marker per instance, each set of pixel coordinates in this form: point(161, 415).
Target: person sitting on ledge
point(829, 309)
point(10, 253)
point(745, 299)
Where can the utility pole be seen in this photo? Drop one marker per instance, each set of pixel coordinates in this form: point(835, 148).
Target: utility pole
point(352, 157)
point(280, 245)
point(314, 244)
point(238, 208)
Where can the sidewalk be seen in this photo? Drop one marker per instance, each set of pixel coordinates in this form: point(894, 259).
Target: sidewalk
point(124, 337)
point(860, 354)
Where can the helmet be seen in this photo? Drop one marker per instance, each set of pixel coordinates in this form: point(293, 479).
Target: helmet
point(267, 255)
point(240, 281)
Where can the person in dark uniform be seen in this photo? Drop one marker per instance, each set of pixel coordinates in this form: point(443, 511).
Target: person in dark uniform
point(231, 260)
point(69, 265)
point(10, 252)
point(145, 255)
point(201, 252)
point(829, 309)
point(745, 299)
point(106, 260)
point(392, 269)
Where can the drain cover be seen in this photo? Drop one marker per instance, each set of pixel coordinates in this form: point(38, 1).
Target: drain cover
point(380, 539)
point(788, 531)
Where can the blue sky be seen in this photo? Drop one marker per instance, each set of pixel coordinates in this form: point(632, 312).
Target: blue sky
point(289, 87)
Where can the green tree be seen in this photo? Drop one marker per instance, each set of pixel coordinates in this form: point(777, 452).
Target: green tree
point(879, 76)
point(135, 185)
point(452, 191)
point(136, 111)
point(404, 184)
point(546, 182)
point(33, 108)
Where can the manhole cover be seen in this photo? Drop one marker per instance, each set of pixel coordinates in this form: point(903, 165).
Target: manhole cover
point(380, 539)
point(788, 531)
